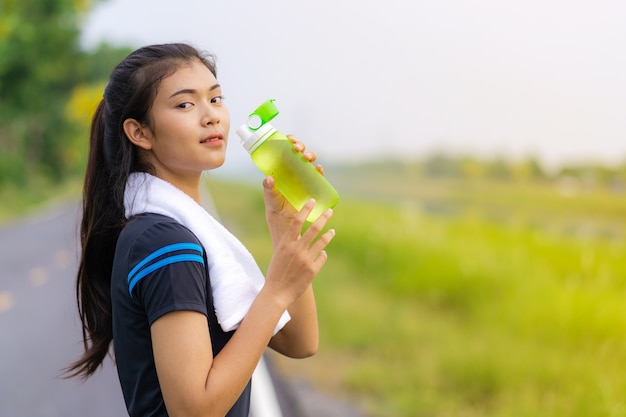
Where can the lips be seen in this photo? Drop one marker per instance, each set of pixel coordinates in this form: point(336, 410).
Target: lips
point(212, 138)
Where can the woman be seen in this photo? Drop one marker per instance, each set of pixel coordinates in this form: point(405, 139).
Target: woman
point(158, 276)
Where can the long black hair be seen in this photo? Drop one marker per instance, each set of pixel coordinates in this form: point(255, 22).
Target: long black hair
point(129, 93)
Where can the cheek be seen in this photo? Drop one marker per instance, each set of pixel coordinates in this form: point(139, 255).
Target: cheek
point(168, 127)
point(225, 117)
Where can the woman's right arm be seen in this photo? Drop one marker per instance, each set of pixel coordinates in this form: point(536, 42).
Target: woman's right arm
point(194, 383)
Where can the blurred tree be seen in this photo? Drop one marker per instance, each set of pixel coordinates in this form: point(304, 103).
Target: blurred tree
point(594, 174)
point(41, 64)
point(37, 49)
point(84, 99)
point(79, 111)
point(498, 169)
point(528, 169)
point(442, 166)
point(472, 168)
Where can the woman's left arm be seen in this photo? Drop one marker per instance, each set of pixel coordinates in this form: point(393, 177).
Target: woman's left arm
point(300, 336)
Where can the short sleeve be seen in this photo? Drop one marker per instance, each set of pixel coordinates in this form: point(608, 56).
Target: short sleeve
point(167, 271)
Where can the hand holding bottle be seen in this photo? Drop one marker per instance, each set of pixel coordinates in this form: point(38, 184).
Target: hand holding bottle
point(279, 213)
point(298, 256)
point(277, 156)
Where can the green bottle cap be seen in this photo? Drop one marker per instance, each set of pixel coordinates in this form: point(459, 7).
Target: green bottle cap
point(263, 114)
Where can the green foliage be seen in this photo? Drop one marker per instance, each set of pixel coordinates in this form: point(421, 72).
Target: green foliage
point(100, 62)
point(509, 304)
point(35, 74)
point(40, 66)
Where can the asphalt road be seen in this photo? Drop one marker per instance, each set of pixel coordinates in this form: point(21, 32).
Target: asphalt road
point(39, 327)
point(40, 335)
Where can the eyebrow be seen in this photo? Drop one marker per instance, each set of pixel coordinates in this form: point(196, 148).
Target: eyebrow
point(192, 91)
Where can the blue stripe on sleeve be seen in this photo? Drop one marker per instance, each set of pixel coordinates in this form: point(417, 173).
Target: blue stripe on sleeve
point(185, 257)
point(137, 273)
point(165, 249)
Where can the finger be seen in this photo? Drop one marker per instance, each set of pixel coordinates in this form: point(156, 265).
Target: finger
point(321, 259)
point(300, 218)
point(320, 169)
point(310, 156)
point(299, 146)
point(316, 227)
point(320, 244)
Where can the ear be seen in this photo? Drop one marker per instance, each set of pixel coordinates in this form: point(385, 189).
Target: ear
point(138, 134)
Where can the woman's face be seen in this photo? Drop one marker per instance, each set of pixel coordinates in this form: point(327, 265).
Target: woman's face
point(190, 123)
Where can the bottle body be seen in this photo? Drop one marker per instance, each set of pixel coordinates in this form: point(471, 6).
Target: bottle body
point(296, 178)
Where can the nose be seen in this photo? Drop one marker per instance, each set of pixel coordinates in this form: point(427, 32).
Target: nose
point(210, 116)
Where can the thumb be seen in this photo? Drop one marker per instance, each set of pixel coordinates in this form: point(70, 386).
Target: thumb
point(268, 183)
point(270, 192)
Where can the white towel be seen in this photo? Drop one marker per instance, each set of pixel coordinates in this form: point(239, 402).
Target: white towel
point(234, 274)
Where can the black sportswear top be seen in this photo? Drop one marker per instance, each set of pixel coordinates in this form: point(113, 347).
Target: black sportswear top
point(159, 267)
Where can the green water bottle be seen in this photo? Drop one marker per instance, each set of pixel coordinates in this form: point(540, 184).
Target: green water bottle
point(272, 152)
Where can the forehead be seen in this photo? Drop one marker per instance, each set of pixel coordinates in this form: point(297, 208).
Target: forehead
point(193, 75)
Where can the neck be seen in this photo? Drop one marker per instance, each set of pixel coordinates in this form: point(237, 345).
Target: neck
point(190, 185)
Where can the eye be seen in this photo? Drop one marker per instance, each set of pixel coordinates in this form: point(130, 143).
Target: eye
point(185, 105)
point(217, 99)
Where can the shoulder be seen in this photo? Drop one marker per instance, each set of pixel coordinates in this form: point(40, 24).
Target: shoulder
point(150, 242)
point(162, 263)
point(150, 230)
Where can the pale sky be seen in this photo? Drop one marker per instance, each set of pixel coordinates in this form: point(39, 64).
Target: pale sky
point(361, 78)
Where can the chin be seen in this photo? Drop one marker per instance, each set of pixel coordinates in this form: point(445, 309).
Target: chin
point(216, 164)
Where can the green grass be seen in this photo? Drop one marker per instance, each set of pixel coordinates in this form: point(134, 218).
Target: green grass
point(20, 200)
point(512, 303)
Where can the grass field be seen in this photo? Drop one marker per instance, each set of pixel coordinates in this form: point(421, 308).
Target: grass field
point(462, 298)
